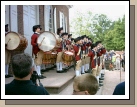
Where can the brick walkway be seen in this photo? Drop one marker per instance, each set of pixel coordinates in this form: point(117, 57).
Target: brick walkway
point(112, 78)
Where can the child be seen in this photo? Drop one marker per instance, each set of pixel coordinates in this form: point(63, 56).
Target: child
point(111, 66)
point(85, 84)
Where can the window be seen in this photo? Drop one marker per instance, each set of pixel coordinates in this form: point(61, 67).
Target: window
point(62, 20)
point(55, 22)
point(66, 24)
point(11, 17)
point(48, 16)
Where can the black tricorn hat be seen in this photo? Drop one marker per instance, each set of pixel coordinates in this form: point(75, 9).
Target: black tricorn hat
point(77, 39)
point(93, 45)
point(6, 25)
point(69, 35)
point(59, 29)
point(35, 27)
point(82, 37)
point(98, 42)
point(64, 34)
point(72, 39)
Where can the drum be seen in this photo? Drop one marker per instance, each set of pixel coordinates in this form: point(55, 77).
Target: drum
point(49, 58)
point(67, 57)
point(15, 41)
point(53, 55)
point(46, 58)
point(47, 40)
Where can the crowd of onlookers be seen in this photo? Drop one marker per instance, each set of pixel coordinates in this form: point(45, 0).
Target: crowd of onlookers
point(23, 68)
point(117, 60)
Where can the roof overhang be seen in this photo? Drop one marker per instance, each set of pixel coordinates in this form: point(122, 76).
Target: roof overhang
point(69, 6)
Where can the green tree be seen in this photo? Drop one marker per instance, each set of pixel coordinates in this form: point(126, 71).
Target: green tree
point(100, 27)
point(115, 38)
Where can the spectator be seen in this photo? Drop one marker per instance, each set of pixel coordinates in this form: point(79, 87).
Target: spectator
point(114, 60)
point(119, 89)
point(85, 84)
point(22, 67)
point(111, 66)
point(118, 62)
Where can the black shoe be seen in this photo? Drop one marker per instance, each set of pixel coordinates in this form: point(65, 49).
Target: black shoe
point(100, 81)
point(54, 66)
point(102, 74)
point(6, 76)
point(100, 85)
point(60, 71)
point(42, 70)
point(101, 78)
point(82, 73)
point(64, 70)
point(43, 76)
point(87, 71)
point(10, 75)
point(40, 77)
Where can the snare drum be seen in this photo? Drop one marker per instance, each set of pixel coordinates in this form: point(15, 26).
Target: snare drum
point(46, 58)
point(53, 55)
point(53, 58)
point(49, 58)
point(67, 57)
point(15, 41)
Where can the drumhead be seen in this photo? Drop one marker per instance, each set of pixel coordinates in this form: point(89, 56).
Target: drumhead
point(12, 40)
point(69, 53)
point(53, 53)
point(47, 40)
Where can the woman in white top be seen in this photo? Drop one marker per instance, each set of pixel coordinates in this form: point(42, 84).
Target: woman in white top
point(117, 61)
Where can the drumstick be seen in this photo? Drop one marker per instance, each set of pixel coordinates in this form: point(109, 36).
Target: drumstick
point(8, 40)
point(42, 40)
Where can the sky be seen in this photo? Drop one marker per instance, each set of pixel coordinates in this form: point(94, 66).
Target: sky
point(113, 12)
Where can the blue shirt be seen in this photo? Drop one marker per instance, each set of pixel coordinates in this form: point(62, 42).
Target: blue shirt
point(120, 89)
point(24, 87)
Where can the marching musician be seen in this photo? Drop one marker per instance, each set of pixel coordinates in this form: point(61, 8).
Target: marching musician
point(101, 51)
point(37, 53)
point(78, 53)
point(60, 31)
point(72, 41)
point(83, 48)
point(59, 63)
point(65, 47)
point(88, 47)
point(7, 56)
point(69, 37)
point(98, 59)
point(92, 55)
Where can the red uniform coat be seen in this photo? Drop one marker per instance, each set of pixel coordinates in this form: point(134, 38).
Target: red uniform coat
point(60, 48)
point(104, 51)
point(99, 53)
point(83, 48)
point(76, 49)
point(35, 48)
point(91, 55)
point(68, 42)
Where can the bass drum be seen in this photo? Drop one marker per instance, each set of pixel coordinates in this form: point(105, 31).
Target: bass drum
point(47, 40)
point(15, 41)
